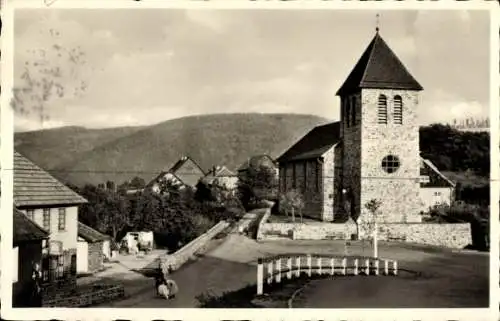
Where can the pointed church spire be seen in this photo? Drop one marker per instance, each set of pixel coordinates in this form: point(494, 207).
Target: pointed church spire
point(378, 67)
point(377, 23)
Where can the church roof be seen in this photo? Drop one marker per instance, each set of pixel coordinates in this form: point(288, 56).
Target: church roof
point(378, 67)
point(314, 144)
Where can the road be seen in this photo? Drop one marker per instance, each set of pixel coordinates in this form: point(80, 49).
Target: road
point(450, 280)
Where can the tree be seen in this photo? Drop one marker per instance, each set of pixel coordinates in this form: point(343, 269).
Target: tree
point(106, 211)
point(50, 73)
point(257, 183)
point(290, 202)
point(371, 222)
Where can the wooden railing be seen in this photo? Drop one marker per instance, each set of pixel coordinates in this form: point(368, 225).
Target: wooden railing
point(275, 268)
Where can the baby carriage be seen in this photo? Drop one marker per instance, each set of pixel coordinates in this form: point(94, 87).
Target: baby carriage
point(166, 288)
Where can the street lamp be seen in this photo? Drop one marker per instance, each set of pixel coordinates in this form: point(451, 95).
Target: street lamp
point(344, 192)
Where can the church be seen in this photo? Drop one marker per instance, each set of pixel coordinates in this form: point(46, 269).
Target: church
point(371, 153)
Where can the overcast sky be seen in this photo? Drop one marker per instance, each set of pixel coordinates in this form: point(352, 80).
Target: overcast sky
point(146, 66)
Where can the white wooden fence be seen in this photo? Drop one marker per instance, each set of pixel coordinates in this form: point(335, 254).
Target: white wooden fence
point(272, 270)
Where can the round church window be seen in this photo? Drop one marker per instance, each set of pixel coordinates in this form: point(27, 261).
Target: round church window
point(390, 163)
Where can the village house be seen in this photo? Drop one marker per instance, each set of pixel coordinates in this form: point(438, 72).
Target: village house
point(221, 176)
point(371, 153)
point(54, 207)
point(91, 249)
point(29, 245)
point(435, 188)
point(185, 172)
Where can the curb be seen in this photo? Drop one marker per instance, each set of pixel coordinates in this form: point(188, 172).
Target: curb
point(295, 293)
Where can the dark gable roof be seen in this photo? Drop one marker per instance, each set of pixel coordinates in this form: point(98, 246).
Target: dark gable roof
point(35, 187)
point(90, 235)
point(314, 144)
point(436, 178)
point(380, 68)
point(25, 230)
point(186, 178)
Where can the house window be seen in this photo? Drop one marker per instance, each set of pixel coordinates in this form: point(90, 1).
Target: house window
point(31, 214)
point(382, 109)
point(390, 163)
point(62, 219)
point(353, 111)
point(294, 180)
point(437, 193)
point(46, 219)
point(424, 179)
point(398, 110)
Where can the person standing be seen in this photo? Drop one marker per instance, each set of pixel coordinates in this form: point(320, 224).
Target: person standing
point(36, 295)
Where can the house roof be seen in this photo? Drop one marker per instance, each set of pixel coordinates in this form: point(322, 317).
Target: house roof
point(222, 171)
point(186, 178)
point(427, 168)
point(34, 186)
point(25, 230)
point(314, 144)
point(90, 235)
point(378, 67)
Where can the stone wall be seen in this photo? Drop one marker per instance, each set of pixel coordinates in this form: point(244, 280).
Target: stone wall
point(93, 296)
point(309, 231)
point(177, 259)
point(328, 184)
point(95, 257)
point(261, 222)
point(443, 235)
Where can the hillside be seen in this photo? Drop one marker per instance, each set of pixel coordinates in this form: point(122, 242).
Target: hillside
point(51, 148)
point(82, 156)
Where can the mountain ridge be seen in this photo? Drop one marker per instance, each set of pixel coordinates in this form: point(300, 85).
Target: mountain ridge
point(121, 153)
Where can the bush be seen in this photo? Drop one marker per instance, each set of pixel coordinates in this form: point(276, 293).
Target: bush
point(476, 215)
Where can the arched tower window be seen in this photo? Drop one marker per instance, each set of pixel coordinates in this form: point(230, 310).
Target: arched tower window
point(347, 113)
point(398, 110)
point(382, 109)
point(353, 111)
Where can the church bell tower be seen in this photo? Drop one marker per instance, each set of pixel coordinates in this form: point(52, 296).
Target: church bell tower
point(380, 135)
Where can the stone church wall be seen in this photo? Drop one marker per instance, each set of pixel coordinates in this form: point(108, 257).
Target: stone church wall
point(329, 185)
point(398, 191)
point(304, 178)
point(351, 171)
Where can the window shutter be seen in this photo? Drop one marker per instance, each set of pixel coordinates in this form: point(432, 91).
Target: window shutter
point(382, 109)
point(398, 110)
